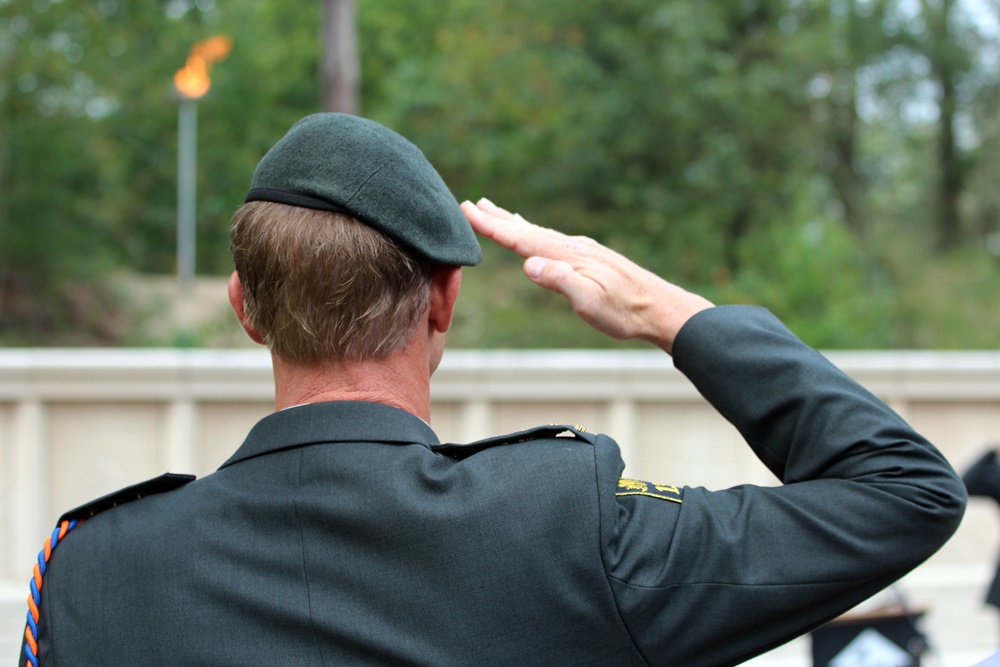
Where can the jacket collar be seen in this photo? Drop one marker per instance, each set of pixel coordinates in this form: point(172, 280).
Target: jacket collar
point(340, 421)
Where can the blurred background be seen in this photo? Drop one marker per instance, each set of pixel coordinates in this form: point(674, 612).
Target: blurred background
point(833, 160)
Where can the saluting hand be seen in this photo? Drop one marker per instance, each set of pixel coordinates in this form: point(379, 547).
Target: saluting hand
point(607, 291)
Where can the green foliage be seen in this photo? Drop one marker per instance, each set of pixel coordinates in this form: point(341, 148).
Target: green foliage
point(656, 126)
point(771, 152)
point(88, 143)
point(818, 279)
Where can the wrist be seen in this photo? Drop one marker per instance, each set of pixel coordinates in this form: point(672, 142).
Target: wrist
point(666, 317)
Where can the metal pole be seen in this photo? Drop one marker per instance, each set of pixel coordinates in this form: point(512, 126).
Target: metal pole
point(187, 140)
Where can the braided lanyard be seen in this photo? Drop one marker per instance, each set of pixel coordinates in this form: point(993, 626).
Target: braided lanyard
point(35, 599)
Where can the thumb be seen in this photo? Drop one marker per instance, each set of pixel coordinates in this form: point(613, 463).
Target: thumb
point(534, 267)
point(555, 276)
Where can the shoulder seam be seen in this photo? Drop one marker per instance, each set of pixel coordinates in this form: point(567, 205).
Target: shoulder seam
point(461, 450)
point(601, 528)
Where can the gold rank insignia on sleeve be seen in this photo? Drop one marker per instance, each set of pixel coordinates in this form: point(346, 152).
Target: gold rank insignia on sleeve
point(635, 487)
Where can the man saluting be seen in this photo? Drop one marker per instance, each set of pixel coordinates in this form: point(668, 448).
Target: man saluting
point(343, 532)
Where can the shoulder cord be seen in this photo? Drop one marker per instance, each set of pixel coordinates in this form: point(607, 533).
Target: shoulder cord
point(35, 599)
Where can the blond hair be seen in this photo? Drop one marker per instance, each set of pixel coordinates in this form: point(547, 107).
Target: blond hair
point(319, 285)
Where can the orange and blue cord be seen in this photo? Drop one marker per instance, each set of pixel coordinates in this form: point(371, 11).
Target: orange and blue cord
point(35, 599)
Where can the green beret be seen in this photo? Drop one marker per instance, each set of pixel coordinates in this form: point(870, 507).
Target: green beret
point(338, 162)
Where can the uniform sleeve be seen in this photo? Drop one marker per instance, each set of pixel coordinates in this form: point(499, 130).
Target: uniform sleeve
point(725, 575)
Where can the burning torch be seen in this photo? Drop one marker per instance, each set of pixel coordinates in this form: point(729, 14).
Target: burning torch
point(192, 83)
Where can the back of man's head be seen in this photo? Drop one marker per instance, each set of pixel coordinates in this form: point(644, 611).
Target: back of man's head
point(335, 246)
point(321, 285)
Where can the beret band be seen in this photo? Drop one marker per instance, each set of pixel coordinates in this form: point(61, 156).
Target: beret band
point(292, 199)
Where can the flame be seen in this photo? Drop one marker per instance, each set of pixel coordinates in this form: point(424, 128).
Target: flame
point(192, 81)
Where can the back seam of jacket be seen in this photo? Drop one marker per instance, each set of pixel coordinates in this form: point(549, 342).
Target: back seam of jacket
point(305, 569)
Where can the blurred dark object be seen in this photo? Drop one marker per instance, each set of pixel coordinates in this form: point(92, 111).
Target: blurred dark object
point(983, 480)
point(885, 637)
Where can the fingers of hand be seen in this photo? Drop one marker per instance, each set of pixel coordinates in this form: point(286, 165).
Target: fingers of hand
point(500, 229)
point(600, 294)
point(513, 232)
point(486, 205)
point(562, 258)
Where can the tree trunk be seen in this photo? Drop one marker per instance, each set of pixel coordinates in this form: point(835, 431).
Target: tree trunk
point(950, 176)
point(737, 228)
point(339, 66)
point(950, 170)
point(844, 174)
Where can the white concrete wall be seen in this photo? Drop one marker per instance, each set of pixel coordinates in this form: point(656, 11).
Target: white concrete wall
point(76, 424)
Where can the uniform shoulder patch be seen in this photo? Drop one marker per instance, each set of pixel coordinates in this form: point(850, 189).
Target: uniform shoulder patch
point(163, 483)
point(636, 487)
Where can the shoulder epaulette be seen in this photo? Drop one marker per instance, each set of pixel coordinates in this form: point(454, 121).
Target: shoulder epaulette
point(69, 521)
point(459, 450)
point(162, 484)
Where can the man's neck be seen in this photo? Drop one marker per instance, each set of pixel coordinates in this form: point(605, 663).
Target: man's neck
point(396, 381)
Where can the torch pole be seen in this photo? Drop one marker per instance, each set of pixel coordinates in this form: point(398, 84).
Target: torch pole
point(187, 141)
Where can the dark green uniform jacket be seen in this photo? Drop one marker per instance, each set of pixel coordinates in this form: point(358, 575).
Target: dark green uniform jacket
point(342, 534)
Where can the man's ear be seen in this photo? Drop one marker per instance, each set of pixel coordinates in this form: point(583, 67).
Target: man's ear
point(239, 307)
point(446, 281)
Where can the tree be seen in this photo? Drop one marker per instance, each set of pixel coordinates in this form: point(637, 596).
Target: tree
point(854, 40)
point(943, 45)
point(340, 64)
point(88, 123)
